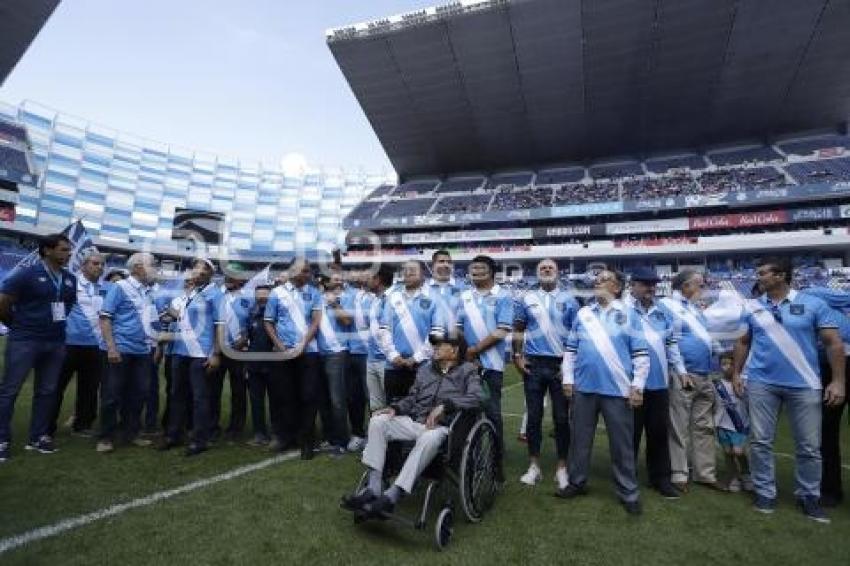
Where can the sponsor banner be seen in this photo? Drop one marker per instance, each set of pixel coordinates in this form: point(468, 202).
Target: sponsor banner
point(569, 231)
point(467, 236)
point(656, 242)
point(587, 209)
point(647, 226)
point(722, 221)
point(815, 214)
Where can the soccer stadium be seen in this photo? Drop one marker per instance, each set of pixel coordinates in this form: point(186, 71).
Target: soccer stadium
point(624, 209)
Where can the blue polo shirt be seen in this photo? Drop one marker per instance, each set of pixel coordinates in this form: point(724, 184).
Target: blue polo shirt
point(83, 328)
point(287, 302)
point(695, 348)
point(783, 346)
point(356, 302)
point(374, 308)
point(592, 373)
point(409, 319)
point(447, 298)
point(202, 314)
point(548, 317)
point(332, 337)
point(236, 309)
point(124, 305)
point(479, 315)
point(34, 290)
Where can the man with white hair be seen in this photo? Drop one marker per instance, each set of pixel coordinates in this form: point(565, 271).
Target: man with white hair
point(82, 355)
point(127, 327)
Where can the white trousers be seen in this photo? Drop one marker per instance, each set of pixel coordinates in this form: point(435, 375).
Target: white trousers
point(383, 428)
point(375, 384)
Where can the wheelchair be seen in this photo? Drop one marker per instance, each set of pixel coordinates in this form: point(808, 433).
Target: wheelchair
point(463, 473)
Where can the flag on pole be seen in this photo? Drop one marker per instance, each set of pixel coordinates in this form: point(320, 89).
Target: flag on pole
point(81, 242)
point(261, 278)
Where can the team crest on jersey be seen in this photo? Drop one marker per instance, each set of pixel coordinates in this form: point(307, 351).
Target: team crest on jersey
point(561, 306)
point(620, 318)
point(455, 292)
point(798, 309)
point(425, 303)
point(659, 315)
point(305, 296)
point(245, 303)
point(490, 301)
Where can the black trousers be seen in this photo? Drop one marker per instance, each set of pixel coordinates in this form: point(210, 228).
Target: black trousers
point(397, 383)
point(830, 485)
point(295, 390)
point(653, 417)
point(358, 398)
point(86, 363)
point(235, 371)
point(259, 376)
point(168, 371)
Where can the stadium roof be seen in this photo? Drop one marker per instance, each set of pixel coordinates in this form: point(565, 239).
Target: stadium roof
point(20, 22)
point(489, 85)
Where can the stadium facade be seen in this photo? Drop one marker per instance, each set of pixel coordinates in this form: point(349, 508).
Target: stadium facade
point(126, 190)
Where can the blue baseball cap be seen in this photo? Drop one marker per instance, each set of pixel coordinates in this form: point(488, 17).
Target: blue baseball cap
point(645, 275)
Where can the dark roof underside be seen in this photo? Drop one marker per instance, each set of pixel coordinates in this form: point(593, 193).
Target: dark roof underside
point(545, 81)
point(20, 22)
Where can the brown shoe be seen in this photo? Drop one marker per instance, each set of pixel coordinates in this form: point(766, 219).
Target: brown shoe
point(681, 486)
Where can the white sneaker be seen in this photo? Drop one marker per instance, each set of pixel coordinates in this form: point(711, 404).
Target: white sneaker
point(562, 478)
point(734, 485)
point(356, 444)
point(533, 476)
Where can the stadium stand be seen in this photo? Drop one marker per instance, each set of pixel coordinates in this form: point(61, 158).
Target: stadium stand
point(415, 188)
point(461, 204)
point(559, 176)
point(407, 207)
point(616, 170)
point(509, 198)
point(663, 165)
point(826, 170)
point(581, 193)
point(746, 155)
point(809, 146)
point(461, 185)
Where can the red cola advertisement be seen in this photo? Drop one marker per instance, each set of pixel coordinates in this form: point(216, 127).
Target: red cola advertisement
point(742, 220)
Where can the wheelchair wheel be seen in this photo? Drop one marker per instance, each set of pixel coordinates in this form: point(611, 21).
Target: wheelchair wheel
point(444, 528)
point(478, 471)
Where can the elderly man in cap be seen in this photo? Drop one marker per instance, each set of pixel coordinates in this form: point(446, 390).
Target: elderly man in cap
point(664, 357)
point(442, 387)
point(235, 309)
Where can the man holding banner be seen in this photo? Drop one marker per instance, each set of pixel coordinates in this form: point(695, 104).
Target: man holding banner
point(605, 368)
point(692, 393)
point(779, 356)
point(485, 316)
point(34, 304)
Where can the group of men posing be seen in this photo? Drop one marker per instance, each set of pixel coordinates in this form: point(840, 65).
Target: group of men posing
point(358, 339)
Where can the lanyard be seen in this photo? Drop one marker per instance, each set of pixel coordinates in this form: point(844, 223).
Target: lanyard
point(57, 281)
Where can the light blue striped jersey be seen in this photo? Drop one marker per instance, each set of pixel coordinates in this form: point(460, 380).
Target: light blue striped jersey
point(593, 370)
point(479, 314)
point(129, 305)
point(196, 328)
point(82, 327)
point(783, 345)
point(658, 331)
point(547, 317)
point(409, 318)
point(291, 309)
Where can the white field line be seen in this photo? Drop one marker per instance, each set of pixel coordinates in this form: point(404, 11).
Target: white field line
point(65, 525)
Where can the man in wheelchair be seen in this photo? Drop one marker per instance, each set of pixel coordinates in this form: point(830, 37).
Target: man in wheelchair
point(442, 387)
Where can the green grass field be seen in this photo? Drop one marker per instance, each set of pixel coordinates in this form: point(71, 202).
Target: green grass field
point(288, 513)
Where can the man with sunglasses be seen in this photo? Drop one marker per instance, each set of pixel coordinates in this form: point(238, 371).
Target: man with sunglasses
point(779, 356)
point(691, 393)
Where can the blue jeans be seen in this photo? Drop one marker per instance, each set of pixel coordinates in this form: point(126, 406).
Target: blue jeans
point(493, 408)
point(22, 356)
point(804, 414)
point(334, 406)
point(123, 390)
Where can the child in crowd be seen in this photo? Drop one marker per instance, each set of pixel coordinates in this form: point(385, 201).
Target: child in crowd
point(732, 423)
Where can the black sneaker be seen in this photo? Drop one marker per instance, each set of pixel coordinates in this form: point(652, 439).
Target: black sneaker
point(357, 502)
point(571, 491)
point(195, 449)
point(380, 508)
point(667, 491)
point(44, 445)
point(764, 504)
point(633, 508)
point(812, 510)
point(5, 451)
